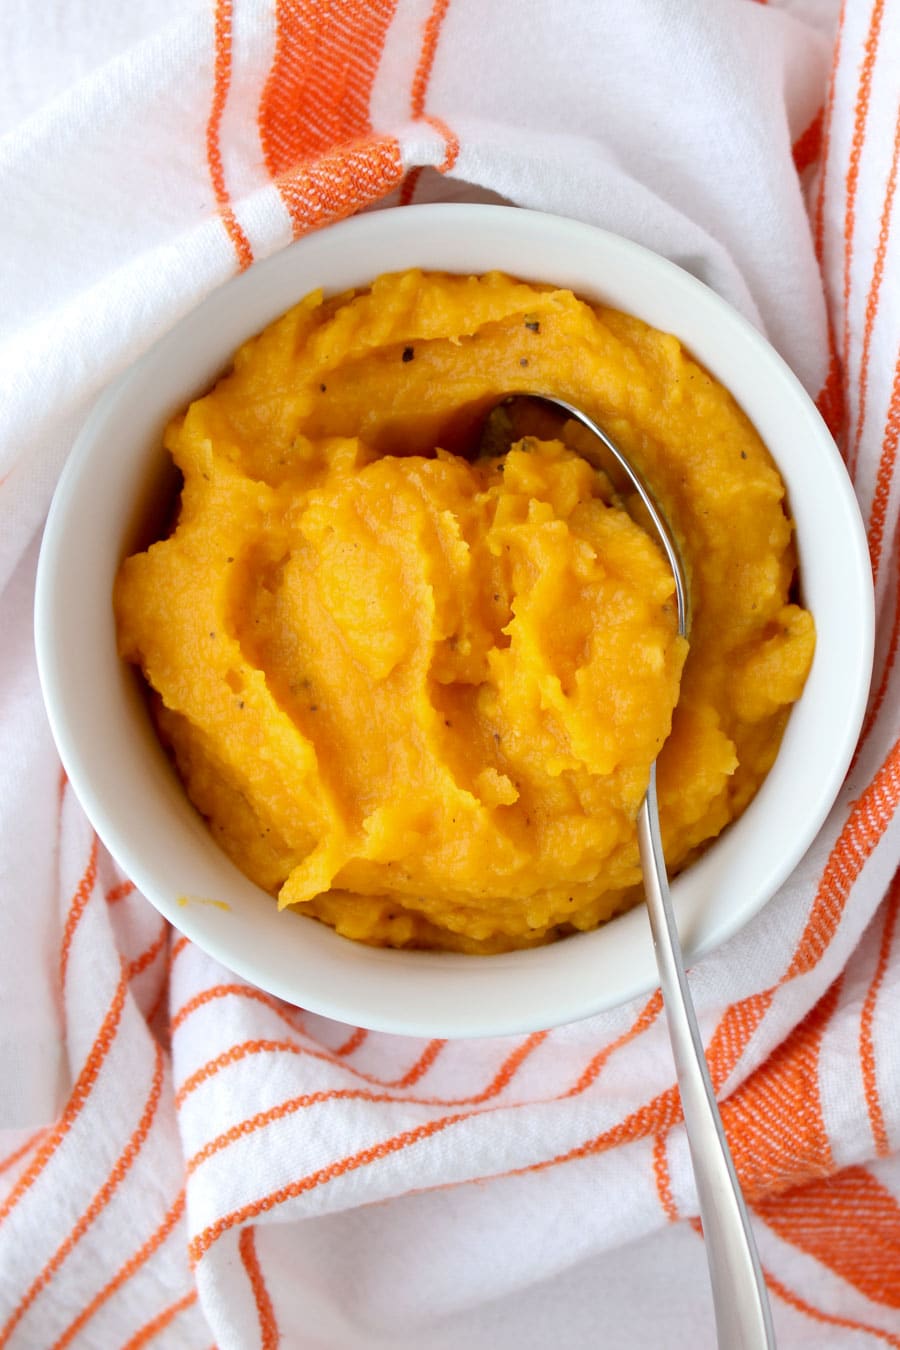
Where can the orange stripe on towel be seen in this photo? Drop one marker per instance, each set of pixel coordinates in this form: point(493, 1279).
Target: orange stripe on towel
point(819, 218)
point(422, 1064)
point(808, 146)
point(645, 1018)
point(147, 957)
point(353, 1042)
point(80, 899)
point(161, 1321)
point(873, 298)
point(221, 85)
point(217, 991)
point(333, 186)
point(866, 1045)
point(451, 140)
point(20, 1152)
point(890, 657)
point(862, 832)
point(410, 183)
point(774, 1120)
point(119, 892)
point(177, 948)
point(268, 1326)
point(849, 1223)
point(84, 1085)
point(430, 36)
point(663, 1177)
point(861, 114)
point(885, 475)
point(314, 122)
point(318, 91)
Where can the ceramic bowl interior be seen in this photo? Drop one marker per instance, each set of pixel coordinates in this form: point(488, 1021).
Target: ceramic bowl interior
point(109, 501)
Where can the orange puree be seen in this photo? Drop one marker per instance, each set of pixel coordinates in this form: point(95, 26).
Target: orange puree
point(418, 697)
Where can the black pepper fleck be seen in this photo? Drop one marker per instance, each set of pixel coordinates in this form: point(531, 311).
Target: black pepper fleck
point(523, 361)
point(408, 354)
point(743, 454)
point(212, 635)
point(447, 723)
point(533, 325)
point(314, 707)
point(229, 559)
point(240, 703)
point(323, 387)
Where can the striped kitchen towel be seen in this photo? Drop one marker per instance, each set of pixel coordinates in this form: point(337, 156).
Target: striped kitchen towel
point(185, 1161)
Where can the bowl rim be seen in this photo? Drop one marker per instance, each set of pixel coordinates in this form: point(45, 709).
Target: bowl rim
point(476, 1009)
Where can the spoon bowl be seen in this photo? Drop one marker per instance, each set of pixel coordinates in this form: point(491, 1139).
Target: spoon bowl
point(493, 436)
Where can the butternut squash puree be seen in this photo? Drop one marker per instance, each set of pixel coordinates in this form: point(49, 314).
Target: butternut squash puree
point(418, 697)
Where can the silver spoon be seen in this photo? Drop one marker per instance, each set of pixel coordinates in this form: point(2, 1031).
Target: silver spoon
point(743, 1317)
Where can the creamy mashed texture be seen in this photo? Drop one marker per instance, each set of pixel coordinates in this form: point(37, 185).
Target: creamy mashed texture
point(417, 696)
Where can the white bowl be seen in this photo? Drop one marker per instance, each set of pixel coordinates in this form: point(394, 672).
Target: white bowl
point(129, 790)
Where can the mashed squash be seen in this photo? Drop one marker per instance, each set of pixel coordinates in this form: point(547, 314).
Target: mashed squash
point(416, 695)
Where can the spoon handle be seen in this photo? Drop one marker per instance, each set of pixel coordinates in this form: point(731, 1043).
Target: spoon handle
point(743, 1318)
